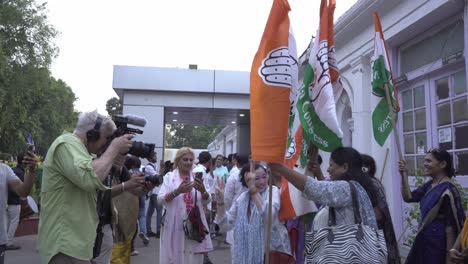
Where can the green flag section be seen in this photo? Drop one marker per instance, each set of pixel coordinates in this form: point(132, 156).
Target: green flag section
point(381, 80)
point(321, 124)
point(381, 122)
point(314, 128)
point(313, 111)
point(312, 116)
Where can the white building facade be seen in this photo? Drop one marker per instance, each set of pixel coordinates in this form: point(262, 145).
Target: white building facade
point(426, 41)
point(185, 96)
point(225, 142)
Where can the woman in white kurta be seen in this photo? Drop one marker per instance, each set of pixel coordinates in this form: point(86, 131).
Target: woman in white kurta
point(177, 194)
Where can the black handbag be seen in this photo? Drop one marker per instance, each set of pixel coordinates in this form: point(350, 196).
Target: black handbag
point(354, 243)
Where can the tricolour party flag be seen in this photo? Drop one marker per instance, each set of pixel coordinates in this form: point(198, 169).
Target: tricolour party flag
point(272, 79)
point(313, 117)
point(381, 77)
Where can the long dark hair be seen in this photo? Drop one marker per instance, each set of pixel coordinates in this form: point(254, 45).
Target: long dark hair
point(350, 156)
point(369, 163)
point(442, 155)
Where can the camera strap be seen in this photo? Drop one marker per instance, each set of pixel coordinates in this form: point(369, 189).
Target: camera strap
point(152, 165)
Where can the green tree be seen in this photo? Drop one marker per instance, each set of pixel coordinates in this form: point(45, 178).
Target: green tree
point(197, 137)
point(114, 106)
point(31, 100)
point(25, 33)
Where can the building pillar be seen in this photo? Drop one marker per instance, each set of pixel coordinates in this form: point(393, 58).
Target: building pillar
point(154, 130)
point(361, 116)
point(363, 138)
point(243, 139)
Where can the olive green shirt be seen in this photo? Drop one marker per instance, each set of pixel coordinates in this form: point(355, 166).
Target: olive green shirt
point(68, 218)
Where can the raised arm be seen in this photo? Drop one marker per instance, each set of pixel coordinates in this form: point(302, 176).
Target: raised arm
point(229, 192)
point(225, 219)
point(295, 178)
point(405, 189)
point(103, 164)
point(23, 188)
point(331, 193)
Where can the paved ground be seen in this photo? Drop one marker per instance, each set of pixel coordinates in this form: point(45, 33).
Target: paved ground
point(148, 255)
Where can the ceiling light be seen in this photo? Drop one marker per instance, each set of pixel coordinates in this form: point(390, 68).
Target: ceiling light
point(241, 115)
point(233, 122)
point(175, 113)
point(174, 120)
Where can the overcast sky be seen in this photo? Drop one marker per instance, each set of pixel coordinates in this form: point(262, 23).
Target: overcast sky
point(215, 34)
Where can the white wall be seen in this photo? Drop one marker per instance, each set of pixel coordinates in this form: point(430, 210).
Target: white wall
point(221, 144)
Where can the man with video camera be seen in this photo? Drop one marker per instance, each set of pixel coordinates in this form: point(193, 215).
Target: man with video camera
point(70, 181)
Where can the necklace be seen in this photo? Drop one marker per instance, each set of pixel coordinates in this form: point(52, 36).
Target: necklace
point(439, 181)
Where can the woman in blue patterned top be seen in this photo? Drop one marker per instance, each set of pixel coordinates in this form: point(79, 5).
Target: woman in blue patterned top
point(345, 168)
point(248, 218)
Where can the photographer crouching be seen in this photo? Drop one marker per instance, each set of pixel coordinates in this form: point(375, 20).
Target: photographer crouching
point(70, 181)
point(121, 181)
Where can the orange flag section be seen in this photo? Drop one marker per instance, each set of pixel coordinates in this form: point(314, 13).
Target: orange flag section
point(270, 86)
point(287, 210)
point(331, 41)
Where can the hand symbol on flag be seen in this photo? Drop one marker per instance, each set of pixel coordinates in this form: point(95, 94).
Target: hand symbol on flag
point(276, 68)
point(291, 150)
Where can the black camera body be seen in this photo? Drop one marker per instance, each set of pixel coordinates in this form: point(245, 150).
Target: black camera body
point(156, 180)
point(139, 148)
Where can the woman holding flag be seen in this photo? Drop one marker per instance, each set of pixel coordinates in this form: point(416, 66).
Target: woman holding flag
point(441, 209)
point(248, 218)
point(345, 166)
point(345, 169)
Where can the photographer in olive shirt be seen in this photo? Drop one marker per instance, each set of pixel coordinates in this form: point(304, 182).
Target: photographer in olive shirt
point(71, 177)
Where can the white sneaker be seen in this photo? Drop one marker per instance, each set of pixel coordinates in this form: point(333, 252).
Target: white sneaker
point(144, 238)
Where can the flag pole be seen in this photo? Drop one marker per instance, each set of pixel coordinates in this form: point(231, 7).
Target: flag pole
point(396, 134)
point(384, 164)
point(393, 118)
point(268, 237)
point(403, 233)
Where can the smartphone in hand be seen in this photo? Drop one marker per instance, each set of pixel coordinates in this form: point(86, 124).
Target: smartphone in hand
point(199, 175)
point(29, 148)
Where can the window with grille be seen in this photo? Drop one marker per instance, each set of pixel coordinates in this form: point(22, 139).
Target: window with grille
point(414, 128)
point(451, 101)
point(434, 114)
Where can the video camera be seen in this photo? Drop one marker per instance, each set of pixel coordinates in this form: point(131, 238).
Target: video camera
point(156, 179)
point(139, 148)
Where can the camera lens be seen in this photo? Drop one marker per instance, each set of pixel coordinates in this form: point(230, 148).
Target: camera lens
point(154, 179)
point(141, 149)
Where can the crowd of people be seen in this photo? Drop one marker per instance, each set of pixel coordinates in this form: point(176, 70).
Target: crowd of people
point(96, 200)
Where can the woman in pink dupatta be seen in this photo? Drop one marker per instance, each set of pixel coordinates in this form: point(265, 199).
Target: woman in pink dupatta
point(177, 194)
